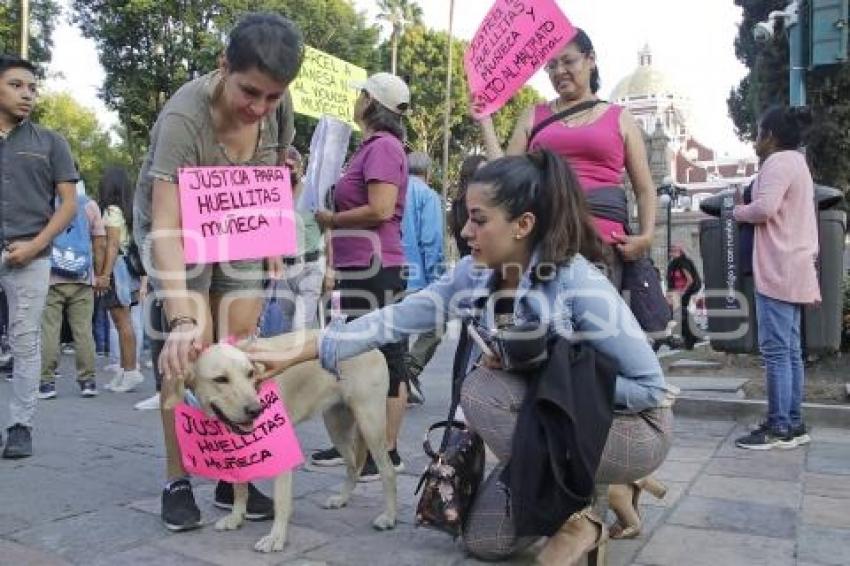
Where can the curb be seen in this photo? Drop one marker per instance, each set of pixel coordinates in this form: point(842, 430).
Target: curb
point(749, 409)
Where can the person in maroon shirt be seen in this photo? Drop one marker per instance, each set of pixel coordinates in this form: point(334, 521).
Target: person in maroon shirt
point(366, 250)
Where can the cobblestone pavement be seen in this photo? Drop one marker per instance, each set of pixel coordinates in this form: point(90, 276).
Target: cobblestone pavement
point(90, 495)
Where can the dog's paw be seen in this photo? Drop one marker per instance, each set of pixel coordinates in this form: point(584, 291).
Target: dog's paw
point(270, 543)
point(335, 502)
point(384, 522)
point(228, 523)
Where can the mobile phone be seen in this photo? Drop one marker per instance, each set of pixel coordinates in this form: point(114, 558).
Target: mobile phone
point(479, 341)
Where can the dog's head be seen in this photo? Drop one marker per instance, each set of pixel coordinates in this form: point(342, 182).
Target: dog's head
point(225, 383)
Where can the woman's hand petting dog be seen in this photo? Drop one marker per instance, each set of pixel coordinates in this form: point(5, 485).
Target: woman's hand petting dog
point(180, 351)
point(277, 361)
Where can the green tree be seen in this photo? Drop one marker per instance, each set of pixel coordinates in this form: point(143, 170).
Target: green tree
point(149, 48)
point(43, 17)
point(828, 92)
point(91, 145)
point(422, 62)
point(399, 14)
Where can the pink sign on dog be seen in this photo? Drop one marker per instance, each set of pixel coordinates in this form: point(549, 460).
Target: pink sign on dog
point(210, 449)
point(232, 213)
point(516, 38)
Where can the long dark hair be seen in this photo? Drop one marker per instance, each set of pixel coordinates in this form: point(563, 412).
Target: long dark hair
point(541, 183)
point(788, 126)
point(459, 214)
point(585, 46)
point(116, 189)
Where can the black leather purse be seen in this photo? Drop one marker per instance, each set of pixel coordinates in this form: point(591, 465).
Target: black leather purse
point(450, 482)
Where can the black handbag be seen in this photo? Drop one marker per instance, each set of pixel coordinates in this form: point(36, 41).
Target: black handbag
point(133, 259)
point(642, 292)
point(450, 482)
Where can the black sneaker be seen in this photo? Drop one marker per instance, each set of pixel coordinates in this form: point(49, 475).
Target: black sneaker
point(18, 442)
point(370, 473)
point(88, 388)
point(47, 390)
point(762, 438)
point(179, 510)
point(327, 457)
point(801, 434)
point(260, 507)
point(414, 393)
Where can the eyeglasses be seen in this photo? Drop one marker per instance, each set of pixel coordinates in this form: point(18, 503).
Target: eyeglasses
point(569, 63)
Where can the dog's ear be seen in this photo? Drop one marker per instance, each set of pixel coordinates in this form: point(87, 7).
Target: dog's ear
point(259, 369)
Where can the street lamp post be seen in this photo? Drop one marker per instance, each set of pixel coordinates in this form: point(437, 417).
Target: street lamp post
point(25, 28)
point(668, 194)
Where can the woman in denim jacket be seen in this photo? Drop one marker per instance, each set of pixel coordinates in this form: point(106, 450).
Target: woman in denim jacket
point(533, 253)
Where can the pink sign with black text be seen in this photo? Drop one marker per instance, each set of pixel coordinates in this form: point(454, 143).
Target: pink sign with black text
point(209, 448)
point(233, 213)
point(515, 40)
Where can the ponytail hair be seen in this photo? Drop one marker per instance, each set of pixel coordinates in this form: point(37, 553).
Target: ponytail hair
point(788, 126)
point(543, 184)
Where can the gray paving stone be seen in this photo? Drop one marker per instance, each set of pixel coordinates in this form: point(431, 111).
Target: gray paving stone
point(148, 555)
point(754, 468)
point(832, 435)
point(829, 458)
point(735, 516)
point(677, 471)
point(678, 546)
point(695, 364)
point(826, 512)
point(14, 553)
point(691, 383)
point(768, 492)
point(823, 545)
point(826, 485)
point(689, 454)
point(88, 536)
point(10, 523)
point(237, 547)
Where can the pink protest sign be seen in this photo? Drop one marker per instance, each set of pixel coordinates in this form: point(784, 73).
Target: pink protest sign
point(210, 449)
point(232, 213)
point(514, 41)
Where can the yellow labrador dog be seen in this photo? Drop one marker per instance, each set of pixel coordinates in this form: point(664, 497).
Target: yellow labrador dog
point(354, 410)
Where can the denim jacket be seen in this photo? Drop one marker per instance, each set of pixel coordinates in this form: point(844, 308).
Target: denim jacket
point(576, 300)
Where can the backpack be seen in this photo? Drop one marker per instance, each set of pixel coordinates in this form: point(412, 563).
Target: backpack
point(71, 256)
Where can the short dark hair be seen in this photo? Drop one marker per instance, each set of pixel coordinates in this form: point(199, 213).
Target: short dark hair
point(116, 189)
point(788, 126)
point(267, 42)
point(9, 61)
point(541, 183)
point(585, 46)
point(379, 118)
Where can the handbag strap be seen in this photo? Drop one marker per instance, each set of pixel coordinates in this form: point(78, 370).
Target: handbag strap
point(461, 361)
point(580, 107)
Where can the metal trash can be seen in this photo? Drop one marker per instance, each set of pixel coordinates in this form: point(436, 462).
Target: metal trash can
point(821, 326)
point(729, 288)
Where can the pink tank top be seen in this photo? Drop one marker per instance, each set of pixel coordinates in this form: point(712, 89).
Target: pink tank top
point(595, 152)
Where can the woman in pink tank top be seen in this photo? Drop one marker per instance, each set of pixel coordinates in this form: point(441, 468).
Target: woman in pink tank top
point(601, 144)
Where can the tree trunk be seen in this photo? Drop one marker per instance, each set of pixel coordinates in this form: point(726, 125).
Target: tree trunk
point(394, 52)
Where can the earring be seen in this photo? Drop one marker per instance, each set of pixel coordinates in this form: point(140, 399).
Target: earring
point(517, 237)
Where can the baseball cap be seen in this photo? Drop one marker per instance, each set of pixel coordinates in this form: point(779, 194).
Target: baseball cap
point(387, 89)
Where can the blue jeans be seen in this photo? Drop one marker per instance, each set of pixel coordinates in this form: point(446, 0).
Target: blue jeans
point(779, 342)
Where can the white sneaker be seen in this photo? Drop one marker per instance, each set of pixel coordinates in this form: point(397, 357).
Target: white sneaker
point(130, 379)
point(112, 368)
point(149, 404)
point(117, 379)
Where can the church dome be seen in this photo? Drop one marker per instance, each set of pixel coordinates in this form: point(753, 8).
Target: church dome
point(645, 82)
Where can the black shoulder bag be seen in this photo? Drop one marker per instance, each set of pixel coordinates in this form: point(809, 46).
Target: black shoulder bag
point(580, 107)
point(452, 478)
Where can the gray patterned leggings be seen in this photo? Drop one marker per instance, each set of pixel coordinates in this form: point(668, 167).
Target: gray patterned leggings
point(637, 445)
